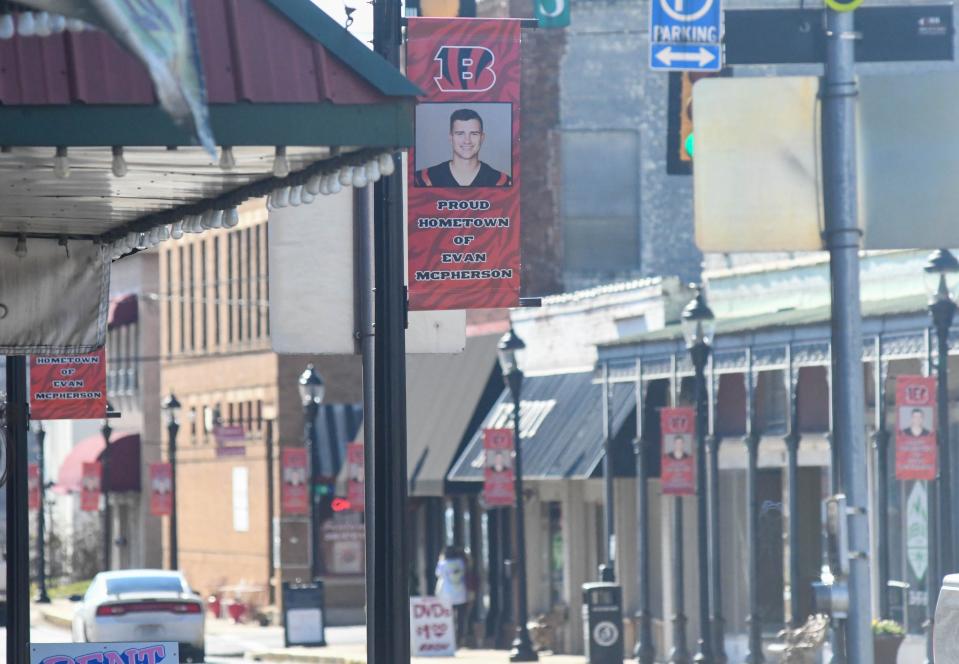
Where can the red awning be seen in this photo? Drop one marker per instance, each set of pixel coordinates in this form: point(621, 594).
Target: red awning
point(123, 310)
point(123, 469)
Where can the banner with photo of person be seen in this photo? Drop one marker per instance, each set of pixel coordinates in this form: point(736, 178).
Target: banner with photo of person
point(498, 479)
point(295, 489)
point(464, 169)
point(678, 465)
point(161, 489)
point(90, 486)
point(33, 487)
point(916, 455)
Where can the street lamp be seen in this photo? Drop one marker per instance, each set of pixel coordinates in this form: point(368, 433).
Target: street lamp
point(942, 278)
point(172, 407)
point(42, 596)
point(698, 323)
point(106, 431)
point(521, 649)
point(312, 390)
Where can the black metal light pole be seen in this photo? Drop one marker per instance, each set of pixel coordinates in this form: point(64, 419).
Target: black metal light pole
point(698, 324)
point(645, 649)
point(713, 442)
point(521, 649)
point(881, 445)
point(607, 569)
point(792, 441)
point(312, 390)
point(679, 654)
point(18, 523)
point(42, 596)
point(106, 431)
point(933, 576)
point(942, 273)
point(754, 620)
point(172, 408)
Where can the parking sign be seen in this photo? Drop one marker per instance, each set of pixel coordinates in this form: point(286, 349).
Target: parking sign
point(685, 35)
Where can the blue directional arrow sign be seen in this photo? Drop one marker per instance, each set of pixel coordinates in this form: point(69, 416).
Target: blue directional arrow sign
point(685, 35)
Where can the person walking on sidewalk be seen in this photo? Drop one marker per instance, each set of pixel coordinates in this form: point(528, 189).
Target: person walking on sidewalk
point(451, 586)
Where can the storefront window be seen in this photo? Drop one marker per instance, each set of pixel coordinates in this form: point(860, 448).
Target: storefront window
point(557, 560)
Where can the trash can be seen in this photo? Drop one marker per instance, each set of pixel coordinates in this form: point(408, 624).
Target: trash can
point(603, 623)
point(304, 622)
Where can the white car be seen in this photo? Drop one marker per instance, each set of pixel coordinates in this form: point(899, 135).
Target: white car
point(142, 605)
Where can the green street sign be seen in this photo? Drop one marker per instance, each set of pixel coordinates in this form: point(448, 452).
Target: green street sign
point(552, 13)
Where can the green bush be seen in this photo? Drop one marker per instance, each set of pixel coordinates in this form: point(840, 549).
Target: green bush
point(887, 628)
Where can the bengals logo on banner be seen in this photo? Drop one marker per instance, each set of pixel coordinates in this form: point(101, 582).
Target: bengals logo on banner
point(465, 69)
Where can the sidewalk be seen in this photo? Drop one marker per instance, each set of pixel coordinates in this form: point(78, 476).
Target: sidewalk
point(357, 655)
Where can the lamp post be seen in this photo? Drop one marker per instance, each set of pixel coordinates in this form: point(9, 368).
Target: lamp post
point(698, 323)
point(312, 390)
point(942, 277)
point(522, 648)
point(42, 596)
point(172, 408)
point(106, 431)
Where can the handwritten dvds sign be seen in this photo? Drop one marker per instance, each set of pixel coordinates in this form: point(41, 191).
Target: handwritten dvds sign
point(431, 628)
point(916, 456)
point(498, 478)
point(464, 175)
point(90, 486)
point(678, 465)
point(161, 489)
point(68, 387)
point(150, 652)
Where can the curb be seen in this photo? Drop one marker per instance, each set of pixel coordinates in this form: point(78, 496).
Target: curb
point(55, 619)
point(303, 657)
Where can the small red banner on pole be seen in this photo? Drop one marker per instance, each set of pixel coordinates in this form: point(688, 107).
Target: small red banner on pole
point(498, 478)
point(678, 465)
point(356, 477)
point(464, 170)
point(33, 487)
point(916, 456)
point(90, 486)
point(161, 489)
point(295, 490)
point(69, 387)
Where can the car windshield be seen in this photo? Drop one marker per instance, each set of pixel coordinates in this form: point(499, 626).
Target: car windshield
point(141, 584)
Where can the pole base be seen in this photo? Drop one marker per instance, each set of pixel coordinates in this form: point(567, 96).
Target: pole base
point(42, 598)
point(521, 650)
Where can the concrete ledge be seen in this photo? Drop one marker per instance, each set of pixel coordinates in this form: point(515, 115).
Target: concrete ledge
point(307, 656)
point(56, 614)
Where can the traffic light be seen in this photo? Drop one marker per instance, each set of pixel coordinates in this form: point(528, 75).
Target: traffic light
point(681, 141)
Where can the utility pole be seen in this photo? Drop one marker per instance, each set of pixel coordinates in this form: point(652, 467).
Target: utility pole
point(18, 536)
point(842, 235)
point(388, 613)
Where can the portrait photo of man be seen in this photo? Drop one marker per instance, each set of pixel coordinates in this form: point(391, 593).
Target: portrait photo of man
point(913, 422)
point(678, 452)
point(498, 461)
point(464, 168)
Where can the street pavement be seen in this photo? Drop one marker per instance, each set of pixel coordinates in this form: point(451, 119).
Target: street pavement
point(228, 643)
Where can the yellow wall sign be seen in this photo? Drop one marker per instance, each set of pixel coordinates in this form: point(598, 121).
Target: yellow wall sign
point(843, 5)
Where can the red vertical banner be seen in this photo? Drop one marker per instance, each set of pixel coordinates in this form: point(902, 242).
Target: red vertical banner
point(498, 478)
point(68, 387)
point(161, 489)
point(90, 487)
point(356, 477)
point(33, 487)
point(916, 455)
point(295, 490)
point(678, 465)
point(464, 169)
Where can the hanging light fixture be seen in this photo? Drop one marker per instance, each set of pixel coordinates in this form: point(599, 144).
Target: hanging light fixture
point(231, 218)
point(26, 25)
point(21, 249)
point(306, 197)
point(281, 166)
point(119, 164)
point(76, 25)
point(387, 165)
point(359, 177)
point(314, 184)
point(42, 24)
point(296, 196)
point(373, 170)
point(335, 183)
point(176, 230)
point(58, 23)
point(7, 27)
point(281, 197)
point(346, 176)
point(61, 163)
point(227, 160)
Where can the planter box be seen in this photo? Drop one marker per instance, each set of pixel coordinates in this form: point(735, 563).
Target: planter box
point(887, 647)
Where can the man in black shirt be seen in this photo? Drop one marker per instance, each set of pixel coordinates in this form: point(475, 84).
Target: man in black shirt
point(465, 168)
